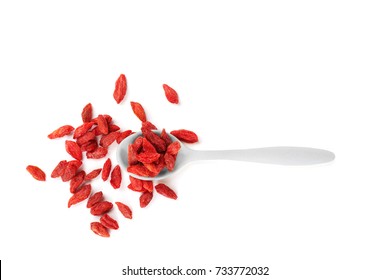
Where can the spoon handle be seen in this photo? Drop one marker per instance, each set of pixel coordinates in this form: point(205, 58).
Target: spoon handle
point(272, 155)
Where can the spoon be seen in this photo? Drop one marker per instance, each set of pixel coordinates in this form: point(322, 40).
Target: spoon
point(292, 156)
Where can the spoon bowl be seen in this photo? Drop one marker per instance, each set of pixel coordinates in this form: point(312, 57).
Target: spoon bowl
point(291, 156)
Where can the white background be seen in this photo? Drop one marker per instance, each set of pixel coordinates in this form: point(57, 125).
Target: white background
point(249, 74)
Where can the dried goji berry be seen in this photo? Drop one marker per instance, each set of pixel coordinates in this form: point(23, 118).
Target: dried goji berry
point(106, 169)
point(147, 157)
point(148, 185)
point(131, 155)
point(137, 184)
point(153, 138)
point(36, 172)
point(164, 136)
point(148, 125)
point(140, 170)
point(82, 129)
point(102, 124)
point(116, 177)
point(86, 114)
point(145, 199)
point(113, 127)
point(120, 88)
point(70, 170)
point(171, 94)
point(93, 174)
point(100, 152)
point(123, 135)
point(60, 132)
point(108, 222)
point(82, 194)
point(169, 161)
point(173, 148)
point(73, 149)
point(138, 111)
point(185, 135)
point(147, 147)
point(95, 198)
point(165, 191)
point(125, 210)
point(99, 229)
point(88, 136)
point(76, 181)
point(89, 147)
point(131, 187)
point(101, 208)
point(59, 169)
point(108, 139)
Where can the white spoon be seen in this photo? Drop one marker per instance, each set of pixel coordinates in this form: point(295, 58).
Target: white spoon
point(293, 156)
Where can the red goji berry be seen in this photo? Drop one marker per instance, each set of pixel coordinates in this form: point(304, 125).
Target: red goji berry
point(84, 139)
point(169, 161)
point(61, 132)
point(164, 136)
point(109, 222)
point(81, 195)
point(171, 94)
point(102, 124)
point(125, 210)
point(185, 135)
point(138, 111)
point(94, 199)
point(93, 174)
point(89, 147)
point(86, 114)
point(108, 139)
point(101, 208)
point(82, 129)
point(148, 125)
point(76, 181)
point(136, 184)
point(140, 170)
point(36, 172)
point(113, 127)
point(59, 169)
point(155, 139)
point(120, 88)
point(106, 169)
point(148, 185)
point(73, 149)
point(100, 152)
point(173, 148)
point(99, 229)
point(165, 191)
point(116, 177)
point(147, 157)
point(148, 147)
point(70, 170)
point(123, 135)
point(145, 199)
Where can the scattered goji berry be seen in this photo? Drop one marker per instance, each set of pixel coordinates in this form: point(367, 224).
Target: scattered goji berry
point(99, 229)
point(138, 111)
point(81, 195)
point(36, 172)
point(93, 174)
point(108, 139)
point(95, 198)
point(120, 88)
point(171, 94)
point(101, 208)
point(145, 199)
point(61, 132)
point(185, 135)
point(102, 124)
point(136, 183)
point(147, 185)
point(109, 222)
point(106, 169)
point(73, 149)
point(82, 129)
point(70, 170)
point(76, 181)
point(100, 152)
point(59, 169)
point(123, 135)
point(116, 177)
point(125, 210)
point(86, 114)
point(148, 125)
point(165, 191)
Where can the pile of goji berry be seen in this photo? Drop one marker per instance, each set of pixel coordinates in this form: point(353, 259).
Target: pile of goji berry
point(148, 155)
